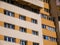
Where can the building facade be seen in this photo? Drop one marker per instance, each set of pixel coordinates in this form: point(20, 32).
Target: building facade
point(27, 22)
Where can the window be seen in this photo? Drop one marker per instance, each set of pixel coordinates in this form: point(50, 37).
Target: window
point(35, 10)
point(22, 29)
point(53, 39)
point(50, 28)
point(9, 13)
point(43, 26)
point(50, 18)
point(23, 42)
point(34, 21)
point(47, 10)
point(10, 39)
point(50, 38)
point(53, 29)
point(35, 43)
point(9, 25)
point(34, 32)
point(46, 37)
point(22, 17)
point(44, 16)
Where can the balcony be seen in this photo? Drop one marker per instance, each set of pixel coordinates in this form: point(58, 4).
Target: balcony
point(35, 2)
point(27, 7)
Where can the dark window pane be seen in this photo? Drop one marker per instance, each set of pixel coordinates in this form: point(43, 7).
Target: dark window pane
point(44, 16)
point(22, 29)
point(34, 21)
point(7, 25)
point(13, 39)
point(35, 32)
point(9, 13)
point(35, 43)
point(45, 37)
point(53, 39)
point(22, 17)
point(23, 42)
point(43, 26)
point(47, 10)
point(5, 38)
point(9, 39)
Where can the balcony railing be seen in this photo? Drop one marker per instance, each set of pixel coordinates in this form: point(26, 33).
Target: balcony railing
point(22, 6)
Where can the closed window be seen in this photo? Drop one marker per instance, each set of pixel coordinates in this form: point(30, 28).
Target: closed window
point(10, 39)
point(22, 17)
point(46, 37)
point(34, 21)
point(23, 42)
point(50, 18)
point(7, 25)
point(52, 39)
point(22, 29)
point(50, 28)
point(44, 16)
point(9, 13)
point(47, 10)
point(35, 43)
point(34, 32)
point(43, 26)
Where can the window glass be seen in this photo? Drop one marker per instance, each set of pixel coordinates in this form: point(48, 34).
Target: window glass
point(23, 42)
point(35, 43)
point(9, 13)
point(22, 29)
point(22, 17)
point(7, 25)
point(35, 32)
point(43, 26)
point(45, 37)
point(34, 21)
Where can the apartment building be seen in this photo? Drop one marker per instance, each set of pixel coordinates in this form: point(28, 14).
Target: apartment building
point(26, 22)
